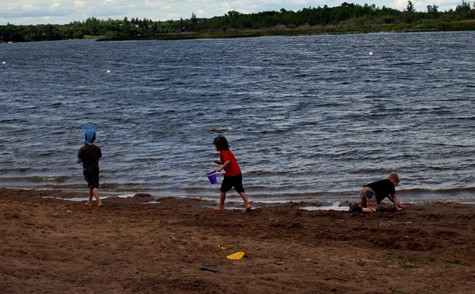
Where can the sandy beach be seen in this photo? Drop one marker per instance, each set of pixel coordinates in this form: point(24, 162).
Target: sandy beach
point(181, 246)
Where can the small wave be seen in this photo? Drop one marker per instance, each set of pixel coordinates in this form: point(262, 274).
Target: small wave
point(440, 191)
point(35, 179)
point(220, 130)
point(461, 118)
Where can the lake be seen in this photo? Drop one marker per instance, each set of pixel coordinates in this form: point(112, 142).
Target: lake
point(309, 118)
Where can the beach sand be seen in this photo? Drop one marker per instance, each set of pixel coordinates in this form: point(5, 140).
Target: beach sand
point(180, 246)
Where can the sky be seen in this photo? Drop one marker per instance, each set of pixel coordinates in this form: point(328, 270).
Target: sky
point(33, 12)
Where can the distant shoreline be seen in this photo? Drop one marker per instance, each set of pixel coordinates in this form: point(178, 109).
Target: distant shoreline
point(345, 18)
point(333, 30)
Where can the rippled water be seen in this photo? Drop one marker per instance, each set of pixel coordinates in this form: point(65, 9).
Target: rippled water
point(308, 117)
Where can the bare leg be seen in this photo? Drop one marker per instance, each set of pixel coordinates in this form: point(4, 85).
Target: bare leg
point(221, 202)
point(370, 205)
point(246, 201)
point(94, 192)
point(363, 198)
point(89, 201)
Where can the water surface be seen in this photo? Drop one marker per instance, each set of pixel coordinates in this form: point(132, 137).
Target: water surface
point(308, 117)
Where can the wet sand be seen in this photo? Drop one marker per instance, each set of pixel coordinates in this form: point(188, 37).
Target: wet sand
point(180, 246)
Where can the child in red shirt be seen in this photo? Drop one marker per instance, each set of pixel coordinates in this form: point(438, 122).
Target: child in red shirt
point(232, 176)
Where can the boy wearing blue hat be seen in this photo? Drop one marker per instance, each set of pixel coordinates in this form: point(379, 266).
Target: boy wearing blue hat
point(89, 156)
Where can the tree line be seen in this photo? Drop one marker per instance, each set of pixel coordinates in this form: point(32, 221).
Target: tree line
point(344, 18)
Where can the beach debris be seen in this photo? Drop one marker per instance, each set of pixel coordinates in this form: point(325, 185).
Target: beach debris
point(69, 211)
point(222, 247)
point(236, 255)
point(142, 195)
point(12, 215)
point(393, 223)
point(206, 269)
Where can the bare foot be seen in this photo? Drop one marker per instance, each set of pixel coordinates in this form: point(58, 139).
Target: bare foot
point(248, 208)
point(89, 203)
point(99, 204)
point(218, 208)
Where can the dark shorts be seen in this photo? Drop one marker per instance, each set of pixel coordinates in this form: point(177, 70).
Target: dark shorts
point(234, 181)
point(91, 174)
point(369, 194)
point(368, 199)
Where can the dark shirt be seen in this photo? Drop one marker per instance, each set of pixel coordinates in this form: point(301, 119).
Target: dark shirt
point(89, 155)
point(382, 188)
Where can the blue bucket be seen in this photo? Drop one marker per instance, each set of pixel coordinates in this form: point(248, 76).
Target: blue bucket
point(213, 179)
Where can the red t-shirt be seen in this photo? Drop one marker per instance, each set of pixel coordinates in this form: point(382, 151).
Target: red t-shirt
point(233, 168)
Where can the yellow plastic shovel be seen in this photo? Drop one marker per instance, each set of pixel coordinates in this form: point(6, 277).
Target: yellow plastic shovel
point(236, 256)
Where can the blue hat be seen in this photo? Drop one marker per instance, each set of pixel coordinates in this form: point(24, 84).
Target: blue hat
point(89, 129)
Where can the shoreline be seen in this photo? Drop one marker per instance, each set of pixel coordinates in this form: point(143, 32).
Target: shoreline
point(317, 199)
point(180, 245)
